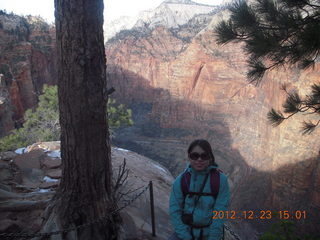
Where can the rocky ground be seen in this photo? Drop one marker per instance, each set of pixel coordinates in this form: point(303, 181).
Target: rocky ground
point(29, 178)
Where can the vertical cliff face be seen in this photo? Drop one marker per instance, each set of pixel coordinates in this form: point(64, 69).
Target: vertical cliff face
point(27, 61)
point(201, 89)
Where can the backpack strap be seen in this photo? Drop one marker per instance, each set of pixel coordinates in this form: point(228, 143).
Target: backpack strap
point(215, 182)
point(185, 183)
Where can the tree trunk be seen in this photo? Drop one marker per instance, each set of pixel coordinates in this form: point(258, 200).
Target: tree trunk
point(85, 192)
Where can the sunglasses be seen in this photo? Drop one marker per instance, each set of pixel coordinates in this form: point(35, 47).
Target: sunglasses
point(195, 156)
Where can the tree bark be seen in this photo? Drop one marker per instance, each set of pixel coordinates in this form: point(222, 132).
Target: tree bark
point(85, 192)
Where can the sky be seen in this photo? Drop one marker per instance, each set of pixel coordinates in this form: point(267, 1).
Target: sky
point(113, 8)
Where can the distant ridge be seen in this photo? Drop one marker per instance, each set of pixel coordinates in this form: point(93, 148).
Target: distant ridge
point(170, 14)
point(180, 1)
point(186, 2)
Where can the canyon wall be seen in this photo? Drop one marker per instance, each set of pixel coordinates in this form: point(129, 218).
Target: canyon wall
point(198, 89)
point(27, 61)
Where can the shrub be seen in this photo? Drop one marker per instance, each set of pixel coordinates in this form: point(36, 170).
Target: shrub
point(42, 124)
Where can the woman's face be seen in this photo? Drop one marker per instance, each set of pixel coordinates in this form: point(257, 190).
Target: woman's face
point(199, 164)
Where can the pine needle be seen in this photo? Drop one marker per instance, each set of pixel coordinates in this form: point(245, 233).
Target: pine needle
point(292, 103)
point(308, 127)
point(275, 118)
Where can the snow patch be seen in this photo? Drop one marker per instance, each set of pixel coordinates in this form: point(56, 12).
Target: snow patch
point(121, 149)
point(54, 154)
point(49, 179)
point(20, 150)
point(42, 190)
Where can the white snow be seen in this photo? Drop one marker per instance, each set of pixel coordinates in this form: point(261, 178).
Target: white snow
point(49, 179)
point(54, 154)
point(121, 149)
point(41, 190)
point(20, 150)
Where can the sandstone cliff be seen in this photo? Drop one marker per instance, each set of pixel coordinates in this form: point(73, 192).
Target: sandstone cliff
point(198, 89)
point(27, 61)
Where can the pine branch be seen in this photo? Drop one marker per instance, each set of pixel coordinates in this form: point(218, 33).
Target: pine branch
point(256, 71)
point(242, 15)
point(306, 63)
point(225, 32)
point(315, 91)
point(275, 118)
point(309, 127)
point(292, 103)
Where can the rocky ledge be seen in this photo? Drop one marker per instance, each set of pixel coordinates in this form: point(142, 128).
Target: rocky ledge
point(30, 176)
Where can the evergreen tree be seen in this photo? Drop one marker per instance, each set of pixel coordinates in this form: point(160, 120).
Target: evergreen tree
point(85, 193)
point(276, 33)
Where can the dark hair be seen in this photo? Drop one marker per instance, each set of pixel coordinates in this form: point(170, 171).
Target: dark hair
point(205, 145)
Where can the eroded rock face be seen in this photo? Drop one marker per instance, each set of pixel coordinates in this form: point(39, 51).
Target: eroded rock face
point(200, 88)
point(27, 62)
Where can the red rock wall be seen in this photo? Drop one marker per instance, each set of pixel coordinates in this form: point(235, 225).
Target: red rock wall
point(27, 62)
point(202, 87)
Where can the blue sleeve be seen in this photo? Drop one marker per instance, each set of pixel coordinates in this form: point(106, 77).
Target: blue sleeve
point(175, 210)
point(221, 204)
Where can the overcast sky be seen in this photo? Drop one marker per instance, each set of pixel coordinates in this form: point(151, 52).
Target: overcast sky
point(113, 8)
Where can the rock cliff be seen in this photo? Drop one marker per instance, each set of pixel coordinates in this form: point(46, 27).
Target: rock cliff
point(171, 14)
point(196, 88)
point(27, 62)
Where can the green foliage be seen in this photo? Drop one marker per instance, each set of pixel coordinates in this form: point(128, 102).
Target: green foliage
point(118, 115)
point(284, 230)
point(42, 124)
point(13, 141)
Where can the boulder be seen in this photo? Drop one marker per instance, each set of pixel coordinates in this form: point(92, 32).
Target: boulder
point(32, 177)
point(50, 163)
point(47, 185)
point(142, 170)
point(7, 156)
point(6, 173)
point(30, 159)
point(54, 173)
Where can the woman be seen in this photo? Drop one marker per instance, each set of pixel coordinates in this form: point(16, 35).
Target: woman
point(191, 210)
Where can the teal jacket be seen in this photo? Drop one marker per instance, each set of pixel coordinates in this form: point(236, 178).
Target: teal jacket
point(203, 210)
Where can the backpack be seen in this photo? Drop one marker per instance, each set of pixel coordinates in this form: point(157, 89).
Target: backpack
point(214, 184)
